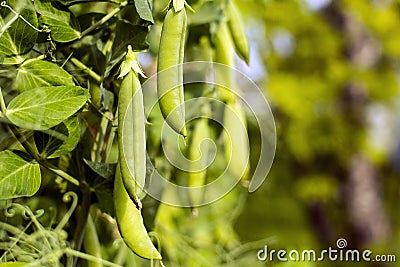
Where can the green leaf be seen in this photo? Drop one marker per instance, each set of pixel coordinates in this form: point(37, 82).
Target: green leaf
point(126, 34)
point(39, 73)
point(16, 37)
point(62, 23)
point(48, 141)
point(143, 9)
point(59, 140)
point(18, 177)
point(44, 107)
point(105, 170)
point(73, 137)
point(103, 190)
point(207, 13)
point(89, 19)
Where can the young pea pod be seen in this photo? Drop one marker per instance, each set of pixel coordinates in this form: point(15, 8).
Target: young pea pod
point(223, 55)
point(170, 70)
point(237, 31)
point(131, 129)
point(234, 118)
point(130, 223)
point(236, 137)
point(198, 161)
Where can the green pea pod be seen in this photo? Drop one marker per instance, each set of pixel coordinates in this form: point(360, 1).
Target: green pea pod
point(91, 243)
point(198, 174)
point(223, 55)
point(130, 223)
point(236, 137)
point(131, 132)
point(236, 28)
point(170, 70)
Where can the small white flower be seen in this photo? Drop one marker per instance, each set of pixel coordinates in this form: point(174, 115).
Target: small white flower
point(130, 62)
point(178, 5)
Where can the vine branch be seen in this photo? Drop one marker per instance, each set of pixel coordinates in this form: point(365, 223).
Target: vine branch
point(86, 69)
point(104, 19)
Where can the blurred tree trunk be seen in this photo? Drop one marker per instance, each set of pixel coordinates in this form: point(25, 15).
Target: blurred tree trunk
point(362, 189)
point(364, 202)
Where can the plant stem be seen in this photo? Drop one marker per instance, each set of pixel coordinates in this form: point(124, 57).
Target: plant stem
point(76, 2)
point(110, 142)
point(12, 229)
point(41, 57)
point(24, 142)
point(17, 15)
point(8, 24)
point(91, 242)
point(82, 216)
point(104, 19)
point(249, 246)
point(88, 257)
point(13, 131)
point(100, 136)
point(120, 257)
point(59, 172)
point(86, 69)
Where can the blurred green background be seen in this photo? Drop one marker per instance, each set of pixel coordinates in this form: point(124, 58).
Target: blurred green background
point(330, 70)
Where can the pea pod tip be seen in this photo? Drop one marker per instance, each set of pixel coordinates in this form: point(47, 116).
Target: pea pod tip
point(184, 133)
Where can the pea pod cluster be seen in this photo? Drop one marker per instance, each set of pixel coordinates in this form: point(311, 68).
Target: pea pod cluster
point(170, 69)
point(131, 129)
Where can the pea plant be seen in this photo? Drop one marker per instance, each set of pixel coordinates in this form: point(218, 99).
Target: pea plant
point(82, 143)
